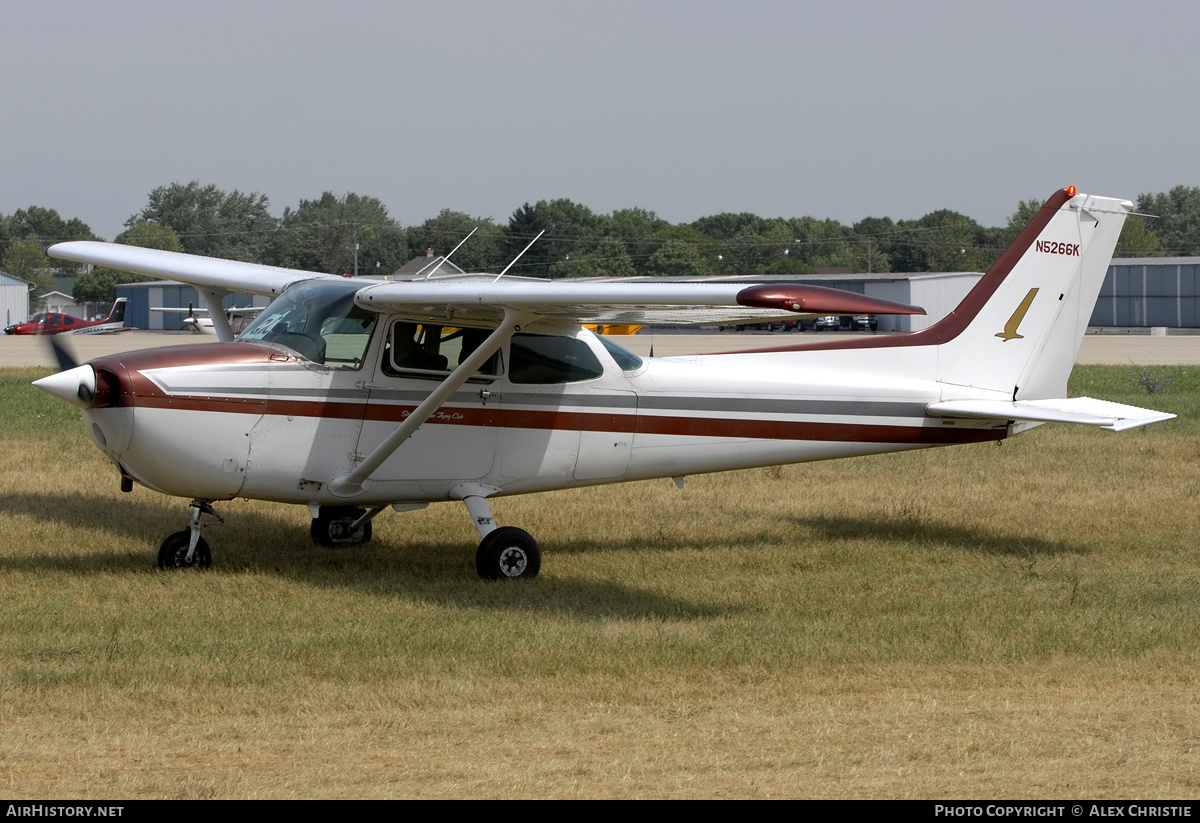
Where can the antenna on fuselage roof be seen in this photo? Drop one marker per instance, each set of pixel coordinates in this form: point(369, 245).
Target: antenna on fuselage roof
point(518, 257)
point(452, 251)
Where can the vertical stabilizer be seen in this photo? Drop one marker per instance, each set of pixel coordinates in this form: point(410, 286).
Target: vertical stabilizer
point(1019, 330)
point(117, 313)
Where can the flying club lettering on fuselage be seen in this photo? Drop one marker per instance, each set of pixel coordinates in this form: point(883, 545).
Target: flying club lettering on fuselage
point(1054, 247)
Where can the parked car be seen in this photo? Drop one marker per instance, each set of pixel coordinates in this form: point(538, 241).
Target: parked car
point(830, 321)
point(862, 322)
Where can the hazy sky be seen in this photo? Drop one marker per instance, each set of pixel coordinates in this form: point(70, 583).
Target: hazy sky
point(839, 110)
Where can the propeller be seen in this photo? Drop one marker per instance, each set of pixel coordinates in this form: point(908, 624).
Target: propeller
point(62, 353)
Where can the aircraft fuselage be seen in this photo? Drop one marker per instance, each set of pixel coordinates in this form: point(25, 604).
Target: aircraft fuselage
point(251, 420)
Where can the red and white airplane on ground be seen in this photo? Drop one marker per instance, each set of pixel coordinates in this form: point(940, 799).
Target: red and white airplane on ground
point(349, 396)
point(56, 323)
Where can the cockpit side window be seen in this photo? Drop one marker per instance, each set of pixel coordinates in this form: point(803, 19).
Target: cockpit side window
point(545, 359)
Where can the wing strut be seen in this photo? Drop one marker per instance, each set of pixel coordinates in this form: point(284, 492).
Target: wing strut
point(212, 300)
point(350, 484)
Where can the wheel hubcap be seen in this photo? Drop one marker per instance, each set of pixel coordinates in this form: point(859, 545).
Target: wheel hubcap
point(513, 562)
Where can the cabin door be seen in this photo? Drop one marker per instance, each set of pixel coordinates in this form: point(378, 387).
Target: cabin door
point(459, 441)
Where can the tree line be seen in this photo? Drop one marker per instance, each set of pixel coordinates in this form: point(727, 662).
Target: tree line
point(353, 234)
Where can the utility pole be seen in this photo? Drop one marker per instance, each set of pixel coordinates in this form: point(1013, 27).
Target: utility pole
point(356, 248)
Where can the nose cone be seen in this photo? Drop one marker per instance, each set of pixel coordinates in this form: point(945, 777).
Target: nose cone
point(77, 386)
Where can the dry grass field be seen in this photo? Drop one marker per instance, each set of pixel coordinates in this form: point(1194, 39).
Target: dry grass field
point(1015, 621)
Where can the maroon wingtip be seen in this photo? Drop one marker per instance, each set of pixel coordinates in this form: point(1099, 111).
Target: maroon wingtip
point(805, 299)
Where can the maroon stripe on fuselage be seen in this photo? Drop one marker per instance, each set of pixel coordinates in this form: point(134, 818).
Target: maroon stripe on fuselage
point(953, 324)
point(588, 421)
point(807, 430)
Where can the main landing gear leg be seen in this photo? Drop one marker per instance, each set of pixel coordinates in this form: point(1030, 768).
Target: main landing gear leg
point(505, 552)
point(187, 549)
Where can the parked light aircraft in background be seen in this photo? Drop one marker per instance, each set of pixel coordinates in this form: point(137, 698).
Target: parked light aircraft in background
point(197, 320)
point(350, 396)
point(57, 323)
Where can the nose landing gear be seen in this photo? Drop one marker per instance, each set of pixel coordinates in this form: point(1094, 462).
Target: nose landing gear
point(187, 549)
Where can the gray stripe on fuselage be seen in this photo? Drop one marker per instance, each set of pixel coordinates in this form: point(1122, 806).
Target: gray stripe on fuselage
point(263, 393)
point(652, 402)
point(771, 405)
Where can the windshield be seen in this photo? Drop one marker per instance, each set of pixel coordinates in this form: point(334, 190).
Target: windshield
point(319, 321)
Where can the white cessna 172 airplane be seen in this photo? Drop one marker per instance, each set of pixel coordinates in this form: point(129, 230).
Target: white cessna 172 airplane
point(349, 395)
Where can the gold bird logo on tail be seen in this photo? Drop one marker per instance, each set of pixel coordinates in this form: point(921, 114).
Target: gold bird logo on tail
point(1010, 328)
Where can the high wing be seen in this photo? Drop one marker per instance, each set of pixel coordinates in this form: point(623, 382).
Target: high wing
point(213, 278)
point(679, 303)
point(484, 298)
point(210, 272)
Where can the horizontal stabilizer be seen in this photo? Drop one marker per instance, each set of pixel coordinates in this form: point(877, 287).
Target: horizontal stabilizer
point(1113, 417)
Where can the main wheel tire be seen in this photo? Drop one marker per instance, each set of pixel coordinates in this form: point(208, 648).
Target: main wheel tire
point(172, 554)
point(331, 527)
point(508, 553)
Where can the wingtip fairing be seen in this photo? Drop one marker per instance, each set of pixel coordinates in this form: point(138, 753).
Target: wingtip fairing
point(806, 299)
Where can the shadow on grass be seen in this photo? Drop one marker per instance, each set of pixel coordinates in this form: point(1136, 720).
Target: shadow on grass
point(262, 544)
point(904, 530)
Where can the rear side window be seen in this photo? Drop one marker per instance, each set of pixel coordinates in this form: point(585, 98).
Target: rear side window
point(542, 359)
point(627, 360)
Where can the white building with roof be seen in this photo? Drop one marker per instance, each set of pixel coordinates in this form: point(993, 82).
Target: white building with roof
point(14, 299)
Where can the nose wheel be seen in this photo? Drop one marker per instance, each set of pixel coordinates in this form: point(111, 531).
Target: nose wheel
point(176, 552)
